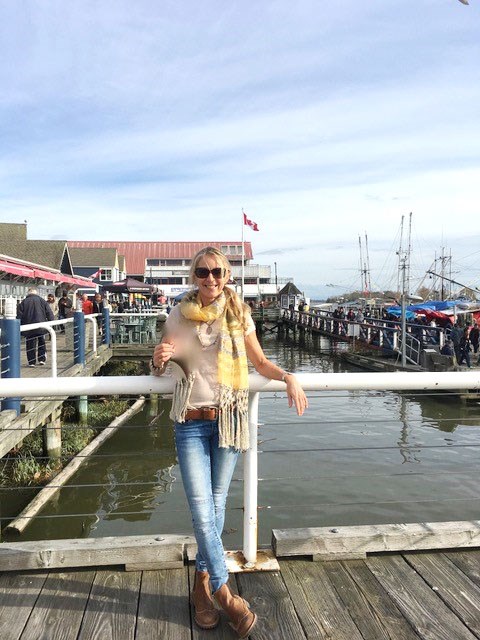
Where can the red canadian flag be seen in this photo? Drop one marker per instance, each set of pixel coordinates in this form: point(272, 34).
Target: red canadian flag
point(96, 274)
point(250, 223)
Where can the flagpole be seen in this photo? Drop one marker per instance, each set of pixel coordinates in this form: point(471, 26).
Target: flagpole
point(243, 254)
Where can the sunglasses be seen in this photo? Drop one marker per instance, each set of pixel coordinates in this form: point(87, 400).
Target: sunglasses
point(203, 272)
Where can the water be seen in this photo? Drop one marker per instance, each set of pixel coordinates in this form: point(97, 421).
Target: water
point(354, 458)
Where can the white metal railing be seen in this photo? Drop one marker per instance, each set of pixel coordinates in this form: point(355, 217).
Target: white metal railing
point(141, 385)
point(413, 348)
point(49, 326)
point(375, 331)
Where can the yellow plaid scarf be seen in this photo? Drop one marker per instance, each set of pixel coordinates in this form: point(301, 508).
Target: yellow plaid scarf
point(232, 370)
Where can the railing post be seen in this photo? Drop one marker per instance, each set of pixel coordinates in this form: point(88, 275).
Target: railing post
point(106, 337)
point(53, 354)
point(250, 485)
point(10, 356)
point(79, 338)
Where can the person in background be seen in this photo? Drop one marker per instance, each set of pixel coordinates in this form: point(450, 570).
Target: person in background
point(52, 304)
point(97, 307)
point(447, 349)
point(211, 333)
point(78, 301)
point(31, 310)
point(455, 335)
point(64, 309)
point(474, 337)
point(87, 305)
point(465, 348)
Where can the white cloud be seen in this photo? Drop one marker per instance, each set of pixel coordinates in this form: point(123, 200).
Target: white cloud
point(323, 120)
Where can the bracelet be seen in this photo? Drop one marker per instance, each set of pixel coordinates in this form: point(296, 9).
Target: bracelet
point(154, 368)
point(285, 374)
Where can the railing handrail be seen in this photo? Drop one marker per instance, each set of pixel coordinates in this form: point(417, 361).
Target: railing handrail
point(45, 324)
point(137, 385)
point(133, 385)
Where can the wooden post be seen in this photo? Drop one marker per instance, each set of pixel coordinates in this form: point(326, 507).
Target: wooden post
point(82, 409)
point(52, 437)
point(153, 404)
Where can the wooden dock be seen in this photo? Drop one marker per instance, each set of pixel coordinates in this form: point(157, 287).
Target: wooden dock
point(402, 596)
point(39, 412)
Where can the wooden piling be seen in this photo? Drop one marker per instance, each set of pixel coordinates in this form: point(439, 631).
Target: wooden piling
point(52, 436)
point(82, 409)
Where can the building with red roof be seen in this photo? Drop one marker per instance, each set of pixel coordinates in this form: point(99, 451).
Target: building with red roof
point(167, 264)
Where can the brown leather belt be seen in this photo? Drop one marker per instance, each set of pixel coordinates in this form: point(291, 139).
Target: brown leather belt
point(202, 413)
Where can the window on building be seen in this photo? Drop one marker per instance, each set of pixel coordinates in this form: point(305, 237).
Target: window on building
point(105, 274)
point(153, 262)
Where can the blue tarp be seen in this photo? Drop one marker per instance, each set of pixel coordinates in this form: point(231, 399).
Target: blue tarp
point(397, 312)
point(431, 305)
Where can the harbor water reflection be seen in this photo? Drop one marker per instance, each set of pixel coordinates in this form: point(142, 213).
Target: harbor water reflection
point(354, 458)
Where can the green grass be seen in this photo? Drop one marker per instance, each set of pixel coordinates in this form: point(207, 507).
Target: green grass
point(26, 466)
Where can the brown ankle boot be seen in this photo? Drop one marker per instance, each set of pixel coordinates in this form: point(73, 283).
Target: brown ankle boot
point(242, 620)
point(206, 616)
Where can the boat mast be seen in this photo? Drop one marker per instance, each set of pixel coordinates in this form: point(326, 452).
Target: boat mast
point(362, 289)
point(368, 281)
point(409, 252)
point(399, 253)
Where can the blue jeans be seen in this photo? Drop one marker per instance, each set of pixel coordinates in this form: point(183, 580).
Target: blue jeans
point(35, 346)
point(206, 471)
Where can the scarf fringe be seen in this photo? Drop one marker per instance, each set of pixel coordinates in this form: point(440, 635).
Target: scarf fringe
point(233, 427)
point(181, 398)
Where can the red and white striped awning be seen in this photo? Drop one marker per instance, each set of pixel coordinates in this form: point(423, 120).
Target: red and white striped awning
point(29, 270)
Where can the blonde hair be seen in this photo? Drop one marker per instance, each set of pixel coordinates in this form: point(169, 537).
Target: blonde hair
point(236, 309)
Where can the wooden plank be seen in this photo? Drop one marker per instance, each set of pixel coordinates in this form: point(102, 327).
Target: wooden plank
point(25, 423)
point(112, 606)
point(316, 602)
point(368, 604)
point(156, 566)
point(61, 592)
point(6, 417)
point(451, 584)
point(88, 552)
point(425, 611)
point(269, 598)
point(18, 594)
point(329, 542)
point(163, 610)
point(468, 562)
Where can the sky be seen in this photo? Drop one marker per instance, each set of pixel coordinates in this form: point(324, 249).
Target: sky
point(323, 120)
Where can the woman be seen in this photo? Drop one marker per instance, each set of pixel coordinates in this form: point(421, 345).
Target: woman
point(211, 333)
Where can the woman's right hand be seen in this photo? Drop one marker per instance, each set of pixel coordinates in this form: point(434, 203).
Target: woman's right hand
point(162, 353)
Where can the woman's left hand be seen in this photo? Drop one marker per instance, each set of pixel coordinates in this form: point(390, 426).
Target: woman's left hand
point(296, 395)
